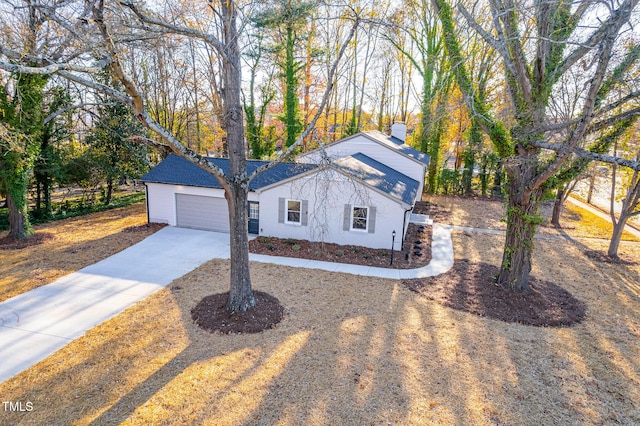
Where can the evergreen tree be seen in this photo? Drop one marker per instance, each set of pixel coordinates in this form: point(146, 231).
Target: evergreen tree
point(287, 18)
point(113, 156)
point(22, 118)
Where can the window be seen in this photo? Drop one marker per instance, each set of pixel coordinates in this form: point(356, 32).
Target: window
point(293, 211)
point(359, 218)
point(254, 211)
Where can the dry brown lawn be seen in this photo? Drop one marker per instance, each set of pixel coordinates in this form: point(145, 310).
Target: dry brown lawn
point(354, 351)
point(77, 242)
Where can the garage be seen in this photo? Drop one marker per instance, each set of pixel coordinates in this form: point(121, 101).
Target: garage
point(201, 212)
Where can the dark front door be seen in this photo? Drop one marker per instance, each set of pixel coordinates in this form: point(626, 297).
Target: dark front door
point(254, 214)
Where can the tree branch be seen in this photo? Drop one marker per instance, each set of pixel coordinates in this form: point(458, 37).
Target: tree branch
point(55, 114)
point(634, 165)
point(595, 38)
point(491, 41)
point(189, 32)
point(53, 68)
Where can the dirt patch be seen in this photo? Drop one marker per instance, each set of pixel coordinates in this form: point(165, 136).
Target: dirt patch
point(210, 314)
point(416, 252)
point(470, 287)
point(11, 243)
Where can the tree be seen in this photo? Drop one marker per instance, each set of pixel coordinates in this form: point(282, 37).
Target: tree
point(21, 114)
point(110, 150)
point(260, 144)
point(417, 21)
point(288, 18)
point(538, 46)
point(630, 206)
point(48, 162)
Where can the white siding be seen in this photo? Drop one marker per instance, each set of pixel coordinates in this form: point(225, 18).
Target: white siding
point(378, 152)
point(327, 192)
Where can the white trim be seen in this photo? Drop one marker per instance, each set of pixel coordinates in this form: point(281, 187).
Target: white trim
point(366, 228)
point(286, 212)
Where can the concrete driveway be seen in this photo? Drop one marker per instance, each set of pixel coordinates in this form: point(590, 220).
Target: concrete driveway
point(35, 324)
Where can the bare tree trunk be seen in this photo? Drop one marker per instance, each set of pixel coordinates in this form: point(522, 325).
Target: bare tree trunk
point(557, 207)
point(240, 293)
point(592, 184)
point(628, 210)
point(109, 194)
point(616, 237)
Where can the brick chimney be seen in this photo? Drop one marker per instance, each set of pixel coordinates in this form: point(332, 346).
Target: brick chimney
point(399, 131)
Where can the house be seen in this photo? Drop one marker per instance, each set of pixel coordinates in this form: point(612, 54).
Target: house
point(355, 199)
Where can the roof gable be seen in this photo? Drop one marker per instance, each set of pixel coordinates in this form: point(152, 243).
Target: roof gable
point(176, 170)
point(400, 146)
point(394, 144)
point(379, 176)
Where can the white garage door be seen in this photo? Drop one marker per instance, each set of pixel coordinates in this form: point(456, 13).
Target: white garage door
point(198, 212)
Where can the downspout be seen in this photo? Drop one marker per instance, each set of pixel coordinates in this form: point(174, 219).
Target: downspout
point(404, 222)
point(146, 198)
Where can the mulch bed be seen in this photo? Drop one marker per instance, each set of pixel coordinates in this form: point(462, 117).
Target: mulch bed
point(11, 243)
point(600, 256)
point(416, 252)
point(211, 315)
point(470, 287)
point(436, 212)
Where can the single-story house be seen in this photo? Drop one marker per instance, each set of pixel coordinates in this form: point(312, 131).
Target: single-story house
point(355, 199)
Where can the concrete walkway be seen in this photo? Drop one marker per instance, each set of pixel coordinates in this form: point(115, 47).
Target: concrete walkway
point(441, 260)
point(35, 324)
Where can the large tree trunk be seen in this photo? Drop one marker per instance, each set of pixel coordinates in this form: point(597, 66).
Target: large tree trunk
point(522, 221)
point(240, 293)
point(18, 220)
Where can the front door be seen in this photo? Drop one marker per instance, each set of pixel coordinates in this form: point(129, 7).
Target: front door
point(254, 214)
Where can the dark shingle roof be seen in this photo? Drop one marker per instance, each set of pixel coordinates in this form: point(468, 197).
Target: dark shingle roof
point(377, 175)
point(397, 144)
point(179, 171)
